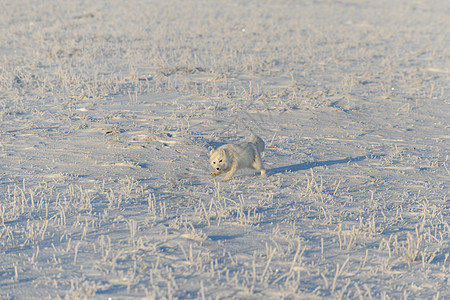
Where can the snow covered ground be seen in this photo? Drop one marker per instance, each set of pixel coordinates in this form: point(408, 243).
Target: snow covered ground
point(108, 110)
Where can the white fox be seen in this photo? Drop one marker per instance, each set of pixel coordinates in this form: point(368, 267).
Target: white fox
point(230, 158)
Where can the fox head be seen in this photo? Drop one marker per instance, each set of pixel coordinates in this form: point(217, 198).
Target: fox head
point(219, 159)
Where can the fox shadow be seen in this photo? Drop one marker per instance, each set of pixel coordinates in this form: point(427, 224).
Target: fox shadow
point(309, 165)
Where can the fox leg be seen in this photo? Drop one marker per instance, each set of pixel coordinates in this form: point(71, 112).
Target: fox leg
point(230, 173)
point(214, 174)
point(257, 164)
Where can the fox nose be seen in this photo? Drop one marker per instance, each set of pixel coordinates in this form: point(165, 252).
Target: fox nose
point(217, 169)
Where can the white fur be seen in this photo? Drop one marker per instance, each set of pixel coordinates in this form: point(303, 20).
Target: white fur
point(230, 158)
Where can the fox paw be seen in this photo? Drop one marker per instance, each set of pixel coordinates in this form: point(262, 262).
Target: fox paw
point(214, 174)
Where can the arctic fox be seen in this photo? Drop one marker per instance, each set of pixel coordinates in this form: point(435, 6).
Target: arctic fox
point(230, 158)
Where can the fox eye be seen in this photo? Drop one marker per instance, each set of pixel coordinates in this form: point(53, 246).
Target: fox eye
point(220, 160)
point(214, 162)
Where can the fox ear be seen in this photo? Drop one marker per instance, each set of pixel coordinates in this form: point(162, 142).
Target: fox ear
point(211, 152)
point(223, 152)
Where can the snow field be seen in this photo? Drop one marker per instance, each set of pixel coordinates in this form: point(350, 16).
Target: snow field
point(108, 111)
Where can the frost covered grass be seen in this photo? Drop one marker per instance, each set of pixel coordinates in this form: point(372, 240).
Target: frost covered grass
point(108, 111)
